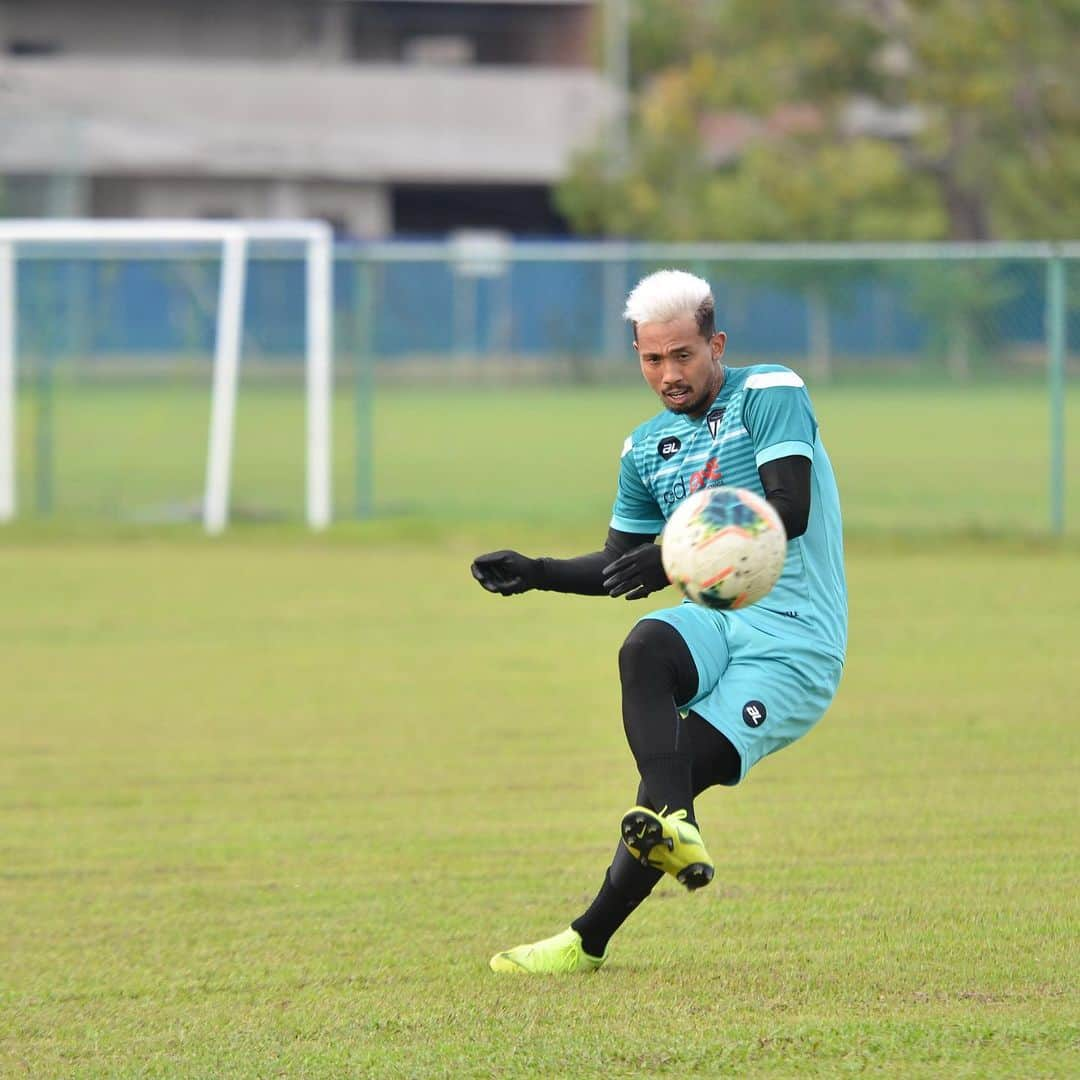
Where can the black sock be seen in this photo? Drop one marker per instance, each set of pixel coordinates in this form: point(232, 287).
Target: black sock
point(667, 779)
point(626, 884)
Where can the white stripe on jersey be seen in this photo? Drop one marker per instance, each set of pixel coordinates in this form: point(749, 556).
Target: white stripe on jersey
point(700, 457)
point(765, 379)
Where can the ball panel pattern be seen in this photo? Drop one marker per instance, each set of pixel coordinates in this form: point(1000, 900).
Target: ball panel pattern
point(724, 548)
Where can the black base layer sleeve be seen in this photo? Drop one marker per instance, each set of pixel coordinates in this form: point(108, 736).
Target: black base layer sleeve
point(787, 489)
point(584, 575)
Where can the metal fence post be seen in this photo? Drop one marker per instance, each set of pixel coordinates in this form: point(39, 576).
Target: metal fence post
point(615, 289)
point(8, 382)
point(364, 401)
point(44, 421)
point(1055, 344)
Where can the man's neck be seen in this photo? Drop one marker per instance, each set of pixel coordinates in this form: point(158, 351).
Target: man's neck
point(711, 398)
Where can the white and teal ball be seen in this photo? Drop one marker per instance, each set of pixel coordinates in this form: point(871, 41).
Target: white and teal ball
point(724, 547)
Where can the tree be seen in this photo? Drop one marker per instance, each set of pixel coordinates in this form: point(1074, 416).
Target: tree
point(987, 90)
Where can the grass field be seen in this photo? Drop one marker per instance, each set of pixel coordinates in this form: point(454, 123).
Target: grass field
point(269, 803)
point(962, 458)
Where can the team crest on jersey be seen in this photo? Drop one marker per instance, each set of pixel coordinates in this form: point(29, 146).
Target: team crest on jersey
point(713, 419)
point(668, 447)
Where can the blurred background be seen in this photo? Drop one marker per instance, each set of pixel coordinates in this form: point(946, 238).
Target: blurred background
point(497, 176)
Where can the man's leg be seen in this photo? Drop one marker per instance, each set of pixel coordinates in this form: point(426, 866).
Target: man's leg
point(627, 882)
point(677, 758)
point(656, 670)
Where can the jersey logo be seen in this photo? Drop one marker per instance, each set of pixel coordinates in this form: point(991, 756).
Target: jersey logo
point(627, 446)
point(676, 493)
point(668, 447)
point(708, 476)
point(713, 420)
point(754, 713)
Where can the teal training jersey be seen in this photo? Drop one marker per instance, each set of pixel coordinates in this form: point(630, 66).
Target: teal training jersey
point(762, 413)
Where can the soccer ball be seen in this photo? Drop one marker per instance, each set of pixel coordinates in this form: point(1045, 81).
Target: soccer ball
point(724, 547)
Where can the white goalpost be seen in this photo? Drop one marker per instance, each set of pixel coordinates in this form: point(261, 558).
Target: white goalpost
point(235, 238)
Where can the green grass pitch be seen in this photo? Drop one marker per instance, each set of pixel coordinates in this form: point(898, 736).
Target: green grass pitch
point(964, 458)
point(269, 803)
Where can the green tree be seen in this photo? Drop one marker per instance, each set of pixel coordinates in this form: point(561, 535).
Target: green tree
point(988, 89)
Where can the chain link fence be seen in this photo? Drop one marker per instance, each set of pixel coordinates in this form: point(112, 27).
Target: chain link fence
point(496, 381)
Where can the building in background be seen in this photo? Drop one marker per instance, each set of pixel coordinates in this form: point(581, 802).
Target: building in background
point(408, 117)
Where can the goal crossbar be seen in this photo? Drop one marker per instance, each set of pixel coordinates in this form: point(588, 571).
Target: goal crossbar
point(234, 238)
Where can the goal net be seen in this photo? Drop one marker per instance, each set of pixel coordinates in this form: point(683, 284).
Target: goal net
point(120, 362)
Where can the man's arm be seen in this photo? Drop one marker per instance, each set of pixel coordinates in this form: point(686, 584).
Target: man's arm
point(777, 413)
point(786, 482)
point(628, 565)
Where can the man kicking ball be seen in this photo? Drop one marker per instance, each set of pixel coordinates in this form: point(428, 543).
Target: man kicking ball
point(705, 694)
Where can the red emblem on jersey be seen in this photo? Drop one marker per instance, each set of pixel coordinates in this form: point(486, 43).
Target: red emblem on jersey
point(710, 472)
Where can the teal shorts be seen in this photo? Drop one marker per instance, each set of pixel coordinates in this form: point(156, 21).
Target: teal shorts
point(763, 690)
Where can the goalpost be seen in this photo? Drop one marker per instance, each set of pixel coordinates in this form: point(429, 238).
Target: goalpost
point(235, 238)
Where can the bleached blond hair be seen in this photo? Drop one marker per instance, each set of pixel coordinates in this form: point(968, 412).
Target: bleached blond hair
point(667, 295)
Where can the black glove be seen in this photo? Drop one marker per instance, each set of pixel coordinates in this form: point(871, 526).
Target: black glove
point(507, 572)
point(636, 574)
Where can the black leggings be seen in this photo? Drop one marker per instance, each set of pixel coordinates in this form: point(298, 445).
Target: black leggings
point(678, 757)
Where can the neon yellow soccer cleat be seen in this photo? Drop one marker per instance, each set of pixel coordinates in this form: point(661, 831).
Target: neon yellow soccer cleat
point(668, 842)
point(558, 955)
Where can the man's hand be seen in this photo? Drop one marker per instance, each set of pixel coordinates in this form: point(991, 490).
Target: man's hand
point(636, 574)
point(507, 572)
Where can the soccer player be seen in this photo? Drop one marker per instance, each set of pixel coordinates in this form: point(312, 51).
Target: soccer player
point(705, 694)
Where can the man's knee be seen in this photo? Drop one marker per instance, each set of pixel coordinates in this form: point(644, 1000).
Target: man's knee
point(645, 649)
point(655, 652)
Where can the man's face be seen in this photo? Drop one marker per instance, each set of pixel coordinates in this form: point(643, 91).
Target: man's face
point(681, 366)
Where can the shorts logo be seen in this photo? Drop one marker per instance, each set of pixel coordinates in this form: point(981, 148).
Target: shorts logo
point(668, 447)
point(754, 713)
point(713, 420)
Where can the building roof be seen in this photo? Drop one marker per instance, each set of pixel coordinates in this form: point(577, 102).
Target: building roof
point(359, 122)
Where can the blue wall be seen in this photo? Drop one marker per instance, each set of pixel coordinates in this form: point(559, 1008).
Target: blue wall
point(95, 308)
